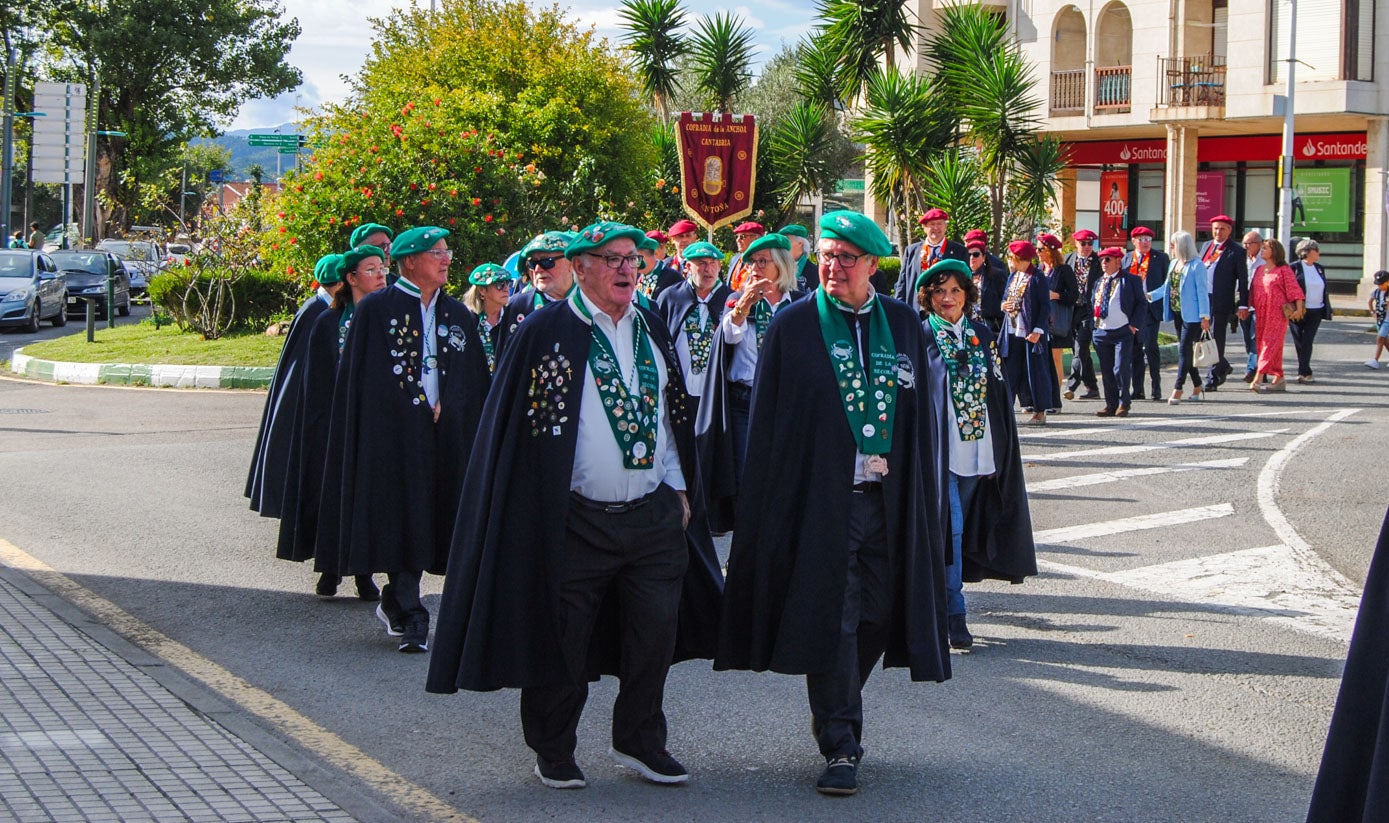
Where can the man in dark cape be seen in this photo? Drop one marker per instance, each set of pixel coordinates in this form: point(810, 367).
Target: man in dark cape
point(836, 562)
point(265, 483)
point(1353, 781)
point(509, 618)
point(406, 405)
point(675, 305)
point(547, 285)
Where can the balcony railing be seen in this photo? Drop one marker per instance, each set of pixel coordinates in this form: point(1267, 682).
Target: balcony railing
point(1068, 92)
point(1113, 86)
point(1191, 81)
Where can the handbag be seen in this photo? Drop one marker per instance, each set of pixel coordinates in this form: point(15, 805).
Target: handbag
point(1289, 310)
point(1204, 351)
point(1062, 320)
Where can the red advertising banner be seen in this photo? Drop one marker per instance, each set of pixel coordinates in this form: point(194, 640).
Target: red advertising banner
point(1210, 196)
point(1256, 148)
point(1114, 208)
point(718, 165)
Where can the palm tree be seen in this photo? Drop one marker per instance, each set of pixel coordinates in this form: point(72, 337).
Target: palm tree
point(651, 35)
point(860, 33)
point(817, 73)
point(1036, 172)
point(721, 56)
point(804, 153)
point(955, 182)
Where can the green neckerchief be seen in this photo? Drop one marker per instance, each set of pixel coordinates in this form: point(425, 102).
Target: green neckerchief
point(633, 420)
point(700, 339)
point(642, 300)
point(344, 323)
point(484, 331)
point(540, 301)
point(762, 312)
point(1174, 290)
point(968, 390)
point(871, 427)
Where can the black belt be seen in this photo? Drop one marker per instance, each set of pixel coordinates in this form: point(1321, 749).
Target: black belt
point(868, 486)
point(610, 508)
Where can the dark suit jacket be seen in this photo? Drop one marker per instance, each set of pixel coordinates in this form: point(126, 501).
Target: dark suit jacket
point(992, 286)
point(1086, 319)
point(1229, 276)
point(911, 266)
point(1157, 273)
point(1326, 290)
point(1132, 299)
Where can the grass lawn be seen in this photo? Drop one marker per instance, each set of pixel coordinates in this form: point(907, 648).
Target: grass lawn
point(140, 343)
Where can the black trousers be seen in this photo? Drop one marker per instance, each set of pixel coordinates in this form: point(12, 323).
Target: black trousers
point(1115, 347)
point(404, 589)
point(836, 696)
point(641, 556)
point(1147, 358)
point(1187, 335)
point(1220, 326)
point(1251, 345)
point(739, 412)
point(1304, 335)
point(1082, 367)
point(1029, 374)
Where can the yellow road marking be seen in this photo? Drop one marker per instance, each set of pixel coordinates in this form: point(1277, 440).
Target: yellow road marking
point(416, 799)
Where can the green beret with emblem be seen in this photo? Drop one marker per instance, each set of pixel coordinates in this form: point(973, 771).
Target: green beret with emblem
point(416, 240)
point(325, 271)
point(548, 241)
point(351, 259)
point(362, 232)
point(649, 244)
point(601, 233)
point(852, 227)
point(943, 267)
point(795, 230)
point(702, 251)
point(487, 274)
point(768, 241)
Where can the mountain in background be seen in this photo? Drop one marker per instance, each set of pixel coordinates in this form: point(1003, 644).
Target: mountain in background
point(244, 155)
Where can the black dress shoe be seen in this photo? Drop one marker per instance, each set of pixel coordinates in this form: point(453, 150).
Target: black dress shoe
point(840, 776)
point(327, 585)
point(1093, 394)
point(1138, 396)
point(1211, 386)
point(958, 632)
point(366, 589)
point(1249, 376)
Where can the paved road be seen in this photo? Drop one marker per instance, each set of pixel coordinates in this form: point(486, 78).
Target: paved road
point(1177, 659)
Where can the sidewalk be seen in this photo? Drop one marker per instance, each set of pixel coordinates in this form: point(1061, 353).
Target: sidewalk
point(86, 734)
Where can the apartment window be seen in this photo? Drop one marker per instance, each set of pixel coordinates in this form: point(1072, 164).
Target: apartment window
point(1360, 40)
point(1319, 52)
point(1220, 29)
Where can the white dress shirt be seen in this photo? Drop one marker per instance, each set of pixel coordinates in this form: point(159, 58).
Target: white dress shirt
point(1115, 317)
point(598, 470)
point(429, 345)
point(743, 339)
point(694, 383)
point(969, 458)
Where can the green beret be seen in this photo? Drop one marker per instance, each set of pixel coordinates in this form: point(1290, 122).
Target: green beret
point(944, 266)
point(416, 240)
point(601, 233)
point(768, 241)
point(795, 230)
point(649, 244)
point(702, 250)
point(549, 241)
point(360, 234)
point(852, 227)
point(325, 271)
point(487, 274)
point(350, 259)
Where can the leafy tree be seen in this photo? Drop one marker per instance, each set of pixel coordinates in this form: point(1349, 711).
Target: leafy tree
point(168, 71)
point(721, 56)
point(817, 73)
point(955, 182)
point(651, 36)
point(859, 34)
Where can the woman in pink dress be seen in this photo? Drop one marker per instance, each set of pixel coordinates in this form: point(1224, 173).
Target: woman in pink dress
point(1273, 288)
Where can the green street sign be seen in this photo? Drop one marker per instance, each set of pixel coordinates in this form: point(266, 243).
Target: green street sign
point(282, 141)
point(1326, 198)
point(289, 149)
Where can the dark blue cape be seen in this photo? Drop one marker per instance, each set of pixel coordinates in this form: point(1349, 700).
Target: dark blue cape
point(304, 483)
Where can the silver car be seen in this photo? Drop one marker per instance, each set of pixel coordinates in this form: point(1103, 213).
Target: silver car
point(31, 289)
point(142, 259)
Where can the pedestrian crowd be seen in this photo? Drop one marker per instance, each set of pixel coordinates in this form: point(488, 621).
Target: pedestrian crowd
point(564, 443)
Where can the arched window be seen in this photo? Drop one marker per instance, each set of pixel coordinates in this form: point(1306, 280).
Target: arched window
point(1113, 58)
point(1068, 47)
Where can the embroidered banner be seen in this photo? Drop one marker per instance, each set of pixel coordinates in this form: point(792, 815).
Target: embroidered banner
point(718, 166)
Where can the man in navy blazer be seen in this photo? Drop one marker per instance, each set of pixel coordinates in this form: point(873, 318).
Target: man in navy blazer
point(1150, 267)
point(1086, 264)
point(1121, 310)
point(924, 254)
point(1229, 287)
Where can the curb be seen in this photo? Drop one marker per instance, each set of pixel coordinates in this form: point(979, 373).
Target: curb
point(137, 374)
point(1167, 353)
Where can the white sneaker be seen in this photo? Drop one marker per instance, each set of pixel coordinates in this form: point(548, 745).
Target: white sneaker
point(1373, 364)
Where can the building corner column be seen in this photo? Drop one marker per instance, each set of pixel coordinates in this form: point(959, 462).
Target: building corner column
point(1179, 191)
point(1066, 198)
point(1376, 243)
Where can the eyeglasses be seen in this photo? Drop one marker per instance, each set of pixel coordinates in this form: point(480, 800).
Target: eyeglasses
point(442, 254)
point(976, 254)
point(843, 258)
point(615, 261)
point(545, 263)
point(1086, 242)
point(370, 272)
point(762, 262)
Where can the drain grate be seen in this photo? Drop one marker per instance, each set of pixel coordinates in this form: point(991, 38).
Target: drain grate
point(25, 411)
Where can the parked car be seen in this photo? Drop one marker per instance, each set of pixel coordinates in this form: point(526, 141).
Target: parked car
point(179, 254)
point(86, 272)
point(53, 240)
point(142, 260)
point(31, 289)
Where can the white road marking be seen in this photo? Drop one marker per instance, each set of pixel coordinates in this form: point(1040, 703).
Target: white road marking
point(1115, 476)
point(1138, 448)
point(1270, 582)
point(1061, 430)
point(1158, 520)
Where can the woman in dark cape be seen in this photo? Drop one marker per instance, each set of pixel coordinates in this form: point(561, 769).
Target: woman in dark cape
point(1353, 782)
point(1027, 311)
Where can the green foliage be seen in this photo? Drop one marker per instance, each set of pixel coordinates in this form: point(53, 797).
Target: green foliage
point(817, 73)
point(806, 150)
point(859, 33)
point(955, 182)
point(490, 118)
point(260, 298)
point(1037, 170)
point(721, 56)
point(651, 36)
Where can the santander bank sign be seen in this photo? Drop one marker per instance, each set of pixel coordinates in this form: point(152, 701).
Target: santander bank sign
point(1257, 148)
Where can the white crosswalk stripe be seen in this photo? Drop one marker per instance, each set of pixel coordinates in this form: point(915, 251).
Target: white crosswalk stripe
point(1098, 478)
point(1159, 520)
point(1139, 448)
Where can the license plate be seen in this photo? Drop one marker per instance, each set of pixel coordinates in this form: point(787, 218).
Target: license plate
point(72, 301)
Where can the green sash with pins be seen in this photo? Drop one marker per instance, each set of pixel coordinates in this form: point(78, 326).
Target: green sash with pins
point(633, 419)
point(700, 338)
point(870, 401)
point(966, 363)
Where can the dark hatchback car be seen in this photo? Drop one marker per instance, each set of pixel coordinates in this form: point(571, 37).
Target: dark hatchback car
point(86, 272)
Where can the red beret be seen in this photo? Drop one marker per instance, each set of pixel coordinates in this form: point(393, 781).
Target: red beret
point(933, 214)
point(658, 235)
point(1141, 231)
point(1051, 241)
point(1084, 235)
point(1223, 218)
point(682, 226)
point(749, 228)
point(971, 245)
point(1022, 250)
point(976, 234)
point(1113, 251)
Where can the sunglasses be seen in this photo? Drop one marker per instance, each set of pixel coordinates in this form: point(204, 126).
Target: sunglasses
point(1087, 242)
point(976, 254)
point(545, 263)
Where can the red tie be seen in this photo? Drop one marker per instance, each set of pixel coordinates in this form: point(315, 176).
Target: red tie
point(1211, 251)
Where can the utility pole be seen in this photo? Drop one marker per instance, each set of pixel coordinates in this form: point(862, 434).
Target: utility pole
point(89, 179)
point(183, 197)
point(7, 150)
point(1285, 163)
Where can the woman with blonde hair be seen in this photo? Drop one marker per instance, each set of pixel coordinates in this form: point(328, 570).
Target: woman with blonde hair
point(1186, 301)
point(1276, 299)
point(487, 295)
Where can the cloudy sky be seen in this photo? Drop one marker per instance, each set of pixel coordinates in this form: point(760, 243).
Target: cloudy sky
point(336, 39)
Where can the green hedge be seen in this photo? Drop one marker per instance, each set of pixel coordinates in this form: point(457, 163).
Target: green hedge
point(261, 297)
